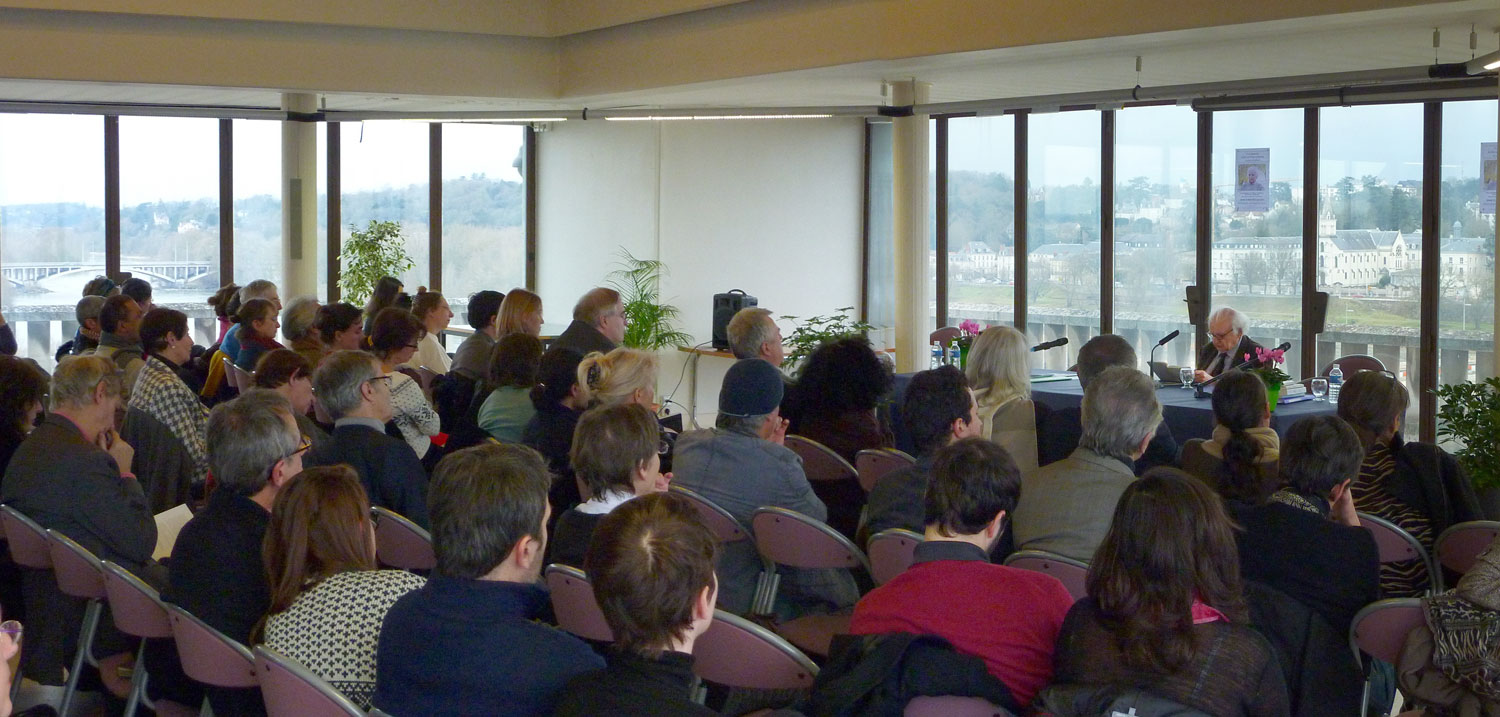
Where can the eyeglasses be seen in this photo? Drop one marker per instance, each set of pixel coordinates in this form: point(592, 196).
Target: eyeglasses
point(1218, 336)
point(12, 628)
point(303, 446)
point(663, 447)
point(412, 346)
point(387, 378)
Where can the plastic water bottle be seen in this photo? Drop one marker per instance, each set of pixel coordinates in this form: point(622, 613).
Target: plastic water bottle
point(937, 355)
point(1335, 380)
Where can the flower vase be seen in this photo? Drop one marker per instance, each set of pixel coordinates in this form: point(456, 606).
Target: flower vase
point(1273, 394)
point(963, 354)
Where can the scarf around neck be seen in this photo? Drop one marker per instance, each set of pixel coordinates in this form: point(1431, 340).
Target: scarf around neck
point(1265, 439)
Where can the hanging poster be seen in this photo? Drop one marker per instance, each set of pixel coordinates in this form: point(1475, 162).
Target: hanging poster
point(1252, 181)
point(1491, 173)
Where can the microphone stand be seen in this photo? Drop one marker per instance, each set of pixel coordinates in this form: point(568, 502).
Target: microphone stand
point(1198, 391)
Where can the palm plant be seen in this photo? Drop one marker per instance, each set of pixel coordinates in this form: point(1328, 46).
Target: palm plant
point(649, 323)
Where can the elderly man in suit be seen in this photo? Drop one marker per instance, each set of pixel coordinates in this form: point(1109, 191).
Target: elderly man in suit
point(598, 323)
point(1226, 329)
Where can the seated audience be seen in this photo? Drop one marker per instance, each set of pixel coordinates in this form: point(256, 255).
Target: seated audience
point(1229, 345)
point(394, 341)
point(101, 285)
point(598, 323)
point(89, 330)
point(469, 641)
point(299, 324)
point(1417, 486)
point(471, 360)
point(652, 569)
point(1447, 664)
point(938, 409)
point(615, 456)
point(558, 400)
point(1058, 433)
point(1239, 461)
point(1306, 540)
point(288, 373)
point(513, 374)
point(999, 371)
point(385, 295)
point(1165, 611)
point(1065, 508)
point(257, 335)
point(225, 302)
point(432, 310)
point(1007, 616)
point(327, 596)
point(753, 333)
point(742, 465)
point(140, 290)
point(840, 385)
point(21, 403)
point(120, 341)
point(162, 394)
point(340, 329)
point(356, 393)
point(258, 289)
point(520, 313)
point(623, 376)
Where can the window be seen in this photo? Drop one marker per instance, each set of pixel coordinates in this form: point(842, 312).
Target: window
point(257, 202)
point(484, 211)
point(1062, 231)
point(981, 219)
point(384, 177)
point(880, 270)
point(1466, 232)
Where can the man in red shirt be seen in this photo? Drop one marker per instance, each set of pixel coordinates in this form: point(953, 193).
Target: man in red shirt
point(1005, 616)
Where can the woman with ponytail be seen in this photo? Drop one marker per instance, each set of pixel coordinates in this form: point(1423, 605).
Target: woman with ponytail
point(619, 377)
point(1241, 459)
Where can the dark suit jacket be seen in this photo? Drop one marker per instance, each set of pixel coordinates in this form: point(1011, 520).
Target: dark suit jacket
point(1057, 435)
point(583, 338)
point(388, 467)
point(1209, 352)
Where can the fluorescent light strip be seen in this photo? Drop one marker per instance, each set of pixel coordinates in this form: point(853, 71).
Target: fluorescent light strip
point(664, 118)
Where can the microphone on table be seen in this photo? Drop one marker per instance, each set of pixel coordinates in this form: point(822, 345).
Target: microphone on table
point(1163, 342)
point(1051, 344)
point(1251, 362)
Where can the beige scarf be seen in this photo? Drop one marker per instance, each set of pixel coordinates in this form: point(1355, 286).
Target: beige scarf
point(1265, 438)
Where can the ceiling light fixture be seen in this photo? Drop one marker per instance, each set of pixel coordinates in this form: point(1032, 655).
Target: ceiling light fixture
point(1483, 63)
point(653, 118)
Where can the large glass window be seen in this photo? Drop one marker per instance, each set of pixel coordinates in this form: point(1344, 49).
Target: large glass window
point(1062, 231)
point(484, 211)
point(385, 178)
point(880, 272)
point(257, 201)
point(1466, 232)
point(1155, 227)
point(981, 219)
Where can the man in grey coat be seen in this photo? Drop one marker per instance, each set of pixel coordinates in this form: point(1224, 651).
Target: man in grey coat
point(742, 465)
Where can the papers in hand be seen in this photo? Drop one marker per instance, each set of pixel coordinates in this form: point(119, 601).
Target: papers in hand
point(168, 524)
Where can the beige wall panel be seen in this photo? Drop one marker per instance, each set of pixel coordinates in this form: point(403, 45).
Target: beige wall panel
point(571, 16)
point(496, 17)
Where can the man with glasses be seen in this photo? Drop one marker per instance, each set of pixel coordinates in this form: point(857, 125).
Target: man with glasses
point(354, 390)
point(1229, 344)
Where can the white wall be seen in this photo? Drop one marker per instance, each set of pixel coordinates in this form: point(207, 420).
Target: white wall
point(771, 207)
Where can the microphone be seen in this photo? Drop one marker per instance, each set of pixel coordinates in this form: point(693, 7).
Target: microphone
point(1051, 344)
point(1163, 342)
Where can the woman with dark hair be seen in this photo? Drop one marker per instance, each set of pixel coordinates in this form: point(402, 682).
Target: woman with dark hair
point(513, 374)
point(160, 392)
point(1240, 460)
point(617, 457)
point(225, 302)
point(836, 395)
point(1164, 611)
point(387, 290)
point(1417, 486)
point(432, 309)
point(288, 373)
point(394, 341)
point(257, 334)
point(328, 599)
point(340, 327)
point(558, 403)
point(21, 403)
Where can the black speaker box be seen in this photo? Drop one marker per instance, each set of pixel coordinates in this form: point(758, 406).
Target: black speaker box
point(726, 305)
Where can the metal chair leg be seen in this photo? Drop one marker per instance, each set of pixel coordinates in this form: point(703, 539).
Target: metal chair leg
point(85, 645)
point(137, 681)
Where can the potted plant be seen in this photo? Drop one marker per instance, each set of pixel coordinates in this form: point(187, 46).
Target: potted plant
point(816, 330)
point(648, 322)
point(379, 250)
point(1269, 372)
point(1470, 414)
point(969, 330)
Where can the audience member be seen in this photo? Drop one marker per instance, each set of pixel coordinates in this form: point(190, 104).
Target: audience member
point(1059, 431)
point(21, 403)
point(432, 310)
point(471, 360)
point(89, 329)
point(938, 409)
point(257, 335)
point(120, 342)
point(1447, 663)
point(753, 333)
point(340, 328)
point(162, 394)
point(1306, 539)
point(327, 596)
point(652, 569)
point(9, 646)
point(1240, 460)
point(558, 400)
point(225, 303)
point(1165, 611)
point(356, 392)
point(742, 465)
point(288, 373)
point(598, 323)
point(1065, 507)
point(140, 290)
point(468, 642)
point(840, 385)
point(299, 324)
point(1007, 616)
point(101, 286)
point(1417, 486)
point(999, 371)
point(1229, 345)
point(615, 456)
point(513, 374)
point(394, 341)
point(258, 289)
point(623, 376)
point(383, 296)
point(7, 339)
point(520, 313)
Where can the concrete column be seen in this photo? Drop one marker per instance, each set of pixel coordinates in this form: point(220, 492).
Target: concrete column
point(299, 198)
point(910, 168)
point(1495, 356)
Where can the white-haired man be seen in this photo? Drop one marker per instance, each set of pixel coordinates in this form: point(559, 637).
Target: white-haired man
point(1229, 344)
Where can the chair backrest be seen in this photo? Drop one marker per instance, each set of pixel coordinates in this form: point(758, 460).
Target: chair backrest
point(953, 707)
point(425, 377)
point(230, 372)
point(292, 690)
point(1380, 628)
point(209, 656)
point(245, 378)
point(819, 462)
point(574, 605)
point(890, 553)
point(872, 463)
point(1460, 545)
point(1354, 362)
point(1072, 573)
point(28, 541)
point(1396, 545)
point(738, 653)
point(944, 336)
point(789, 538)
point(78, 571)
point(719, 521)
point(401, 543)
point(135, 606)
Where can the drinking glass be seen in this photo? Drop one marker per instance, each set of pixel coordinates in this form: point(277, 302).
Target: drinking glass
point(1319, 388)
point(1185, 374)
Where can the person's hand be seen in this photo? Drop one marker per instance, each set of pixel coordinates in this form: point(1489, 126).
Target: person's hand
point(778, 436)
point(1342, 509)
point(664, 482)
point(1200, 376)
point(118, 449)
point(8, 649)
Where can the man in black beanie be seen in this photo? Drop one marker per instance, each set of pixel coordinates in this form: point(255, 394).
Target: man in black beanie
point(741, 465)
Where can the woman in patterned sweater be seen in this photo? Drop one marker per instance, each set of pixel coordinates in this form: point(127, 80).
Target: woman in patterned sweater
point(328, 600)
point(394, 340)
point(161, 393)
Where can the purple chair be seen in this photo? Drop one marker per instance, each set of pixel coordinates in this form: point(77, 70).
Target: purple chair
point(1396, 545)
point(735, 652)
point(208, 656)
point(1354, 363)
point(1072, 573)
point(1460, 545)
point(890, 553)
point(401, 543)
point(28, 547)
point(953, 707)
point(78, 575)
point(137, 611)
point(1380, 629)
point(719, 521)
point(820, 462)
point(944, 336)
point(574, 604)
point(786, 537)
point(835, 482)
point(872, 463)
point(292, 690)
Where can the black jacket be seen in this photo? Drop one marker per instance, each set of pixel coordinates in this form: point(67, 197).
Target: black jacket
point(876, 675)
point(1320, 673)
point(634, 685)
point(387, 466)
point(583, 338)
point(1209, 352)
point(1430, 480)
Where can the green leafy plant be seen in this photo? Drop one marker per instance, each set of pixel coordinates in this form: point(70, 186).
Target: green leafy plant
point(817, 330)
point(379, 250)
point(649, 323)
point(1470, 414)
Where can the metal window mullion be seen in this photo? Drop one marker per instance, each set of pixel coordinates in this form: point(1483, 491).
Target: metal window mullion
point(1107, 222)
point(1020, 192)
point(1311, 137)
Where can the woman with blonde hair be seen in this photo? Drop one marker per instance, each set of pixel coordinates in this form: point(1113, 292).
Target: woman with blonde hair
point(520, 313)
point(999, 371)
point(619, 377)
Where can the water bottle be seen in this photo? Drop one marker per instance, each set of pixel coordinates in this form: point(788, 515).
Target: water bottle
point(1335, 380)
point(953, 354)
point(937, 356)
